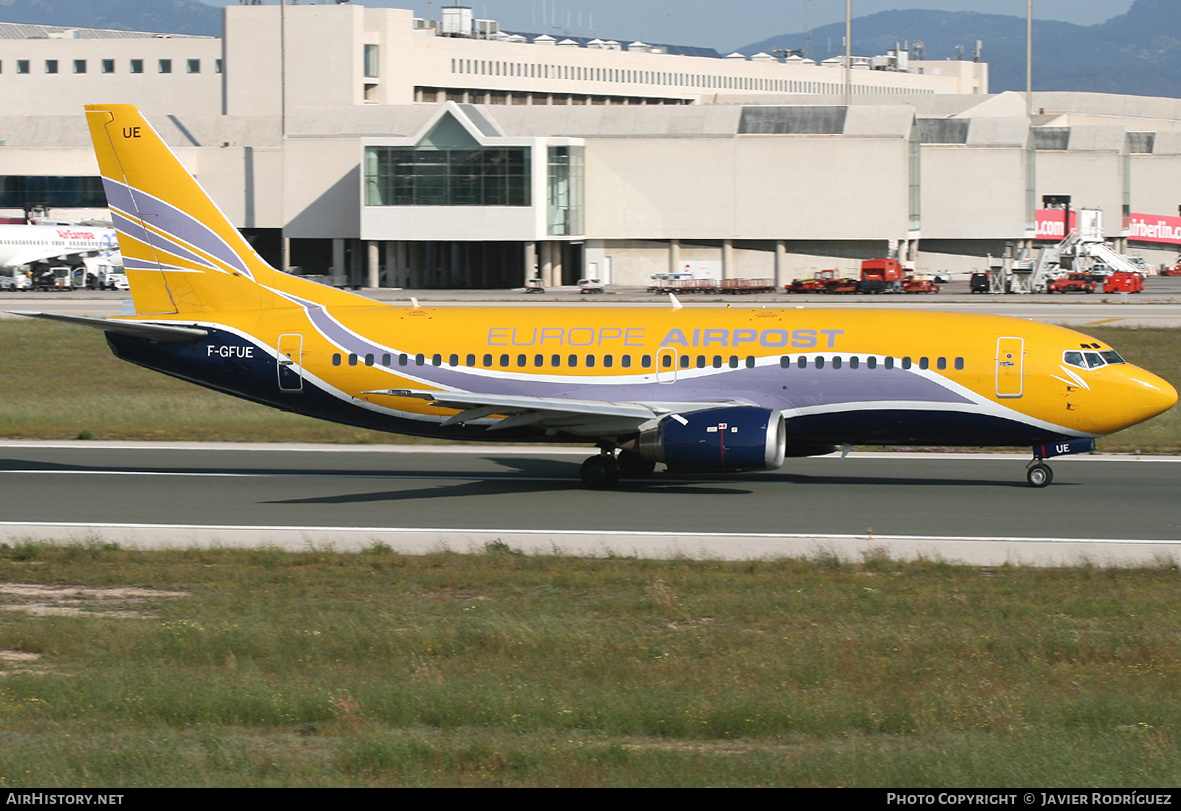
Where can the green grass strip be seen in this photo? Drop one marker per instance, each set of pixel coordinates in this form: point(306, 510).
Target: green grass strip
point(319, 668)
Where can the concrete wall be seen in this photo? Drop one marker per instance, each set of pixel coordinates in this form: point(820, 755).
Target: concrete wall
point(65, 92)
point(1091, 171)
point(973, 193)
point(321, 188)
point(1154, 176)
point(746, 188)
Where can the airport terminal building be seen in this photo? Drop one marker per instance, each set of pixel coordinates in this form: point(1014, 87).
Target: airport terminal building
point(394, 151)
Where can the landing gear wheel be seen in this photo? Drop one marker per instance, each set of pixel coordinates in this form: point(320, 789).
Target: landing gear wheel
point(634, 466)
point(1039, 475)
point(600, 472)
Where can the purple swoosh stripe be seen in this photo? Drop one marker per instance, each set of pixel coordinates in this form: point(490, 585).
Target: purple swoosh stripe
point(176, 223)
point(134, 229)
point(768, 386)
point(129, 227)
point(118, 195)
point(763, 385)
point(140, 264)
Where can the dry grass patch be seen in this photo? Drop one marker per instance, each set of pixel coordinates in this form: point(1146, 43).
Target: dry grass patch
point(20, 661)
point(76, 601)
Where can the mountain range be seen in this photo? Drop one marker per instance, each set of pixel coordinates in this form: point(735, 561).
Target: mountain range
point(157, 16)
point(1136, 53)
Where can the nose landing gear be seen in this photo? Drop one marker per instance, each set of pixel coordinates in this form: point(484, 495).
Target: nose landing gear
point(1038, 474)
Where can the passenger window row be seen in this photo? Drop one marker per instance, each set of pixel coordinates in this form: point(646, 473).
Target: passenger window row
point(855, 362)
point(522, 360)
point(571, 361)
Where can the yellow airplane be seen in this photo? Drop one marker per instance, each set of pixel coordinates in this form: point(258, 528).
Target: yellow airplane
point(698, 390)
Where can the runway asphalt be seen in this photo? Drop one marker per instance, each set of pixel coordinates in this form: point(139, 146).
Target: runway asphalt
point(957, 507)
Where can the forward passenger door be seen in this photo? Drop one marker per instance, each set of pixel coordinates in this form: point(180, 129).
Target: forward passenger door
point(1010, 367)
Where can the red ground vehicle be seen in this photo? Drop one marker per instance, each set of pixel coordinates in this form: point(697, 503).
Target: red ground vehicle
point(1074, 283)
point(819, 284)
point(881, 275)
point(1123, 282)
point(843, 286)
point(914, 285)
point(805, 286)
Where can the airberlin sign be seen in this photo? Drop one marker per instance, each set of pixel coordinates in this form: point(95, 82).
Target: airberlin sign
point(1159, 228)
point(1153, 228)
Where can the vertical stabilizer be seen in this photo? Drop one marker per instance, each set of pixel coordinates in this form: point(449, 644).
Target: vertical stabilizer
point(181, 253)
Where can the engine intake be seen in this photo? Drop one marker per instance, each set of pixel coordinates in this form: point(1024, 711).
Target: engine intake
point(717, 440)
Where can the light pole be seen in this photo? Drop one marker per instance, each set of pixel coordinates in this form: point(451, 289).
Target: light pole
point(1029, 59)
point(849, 52)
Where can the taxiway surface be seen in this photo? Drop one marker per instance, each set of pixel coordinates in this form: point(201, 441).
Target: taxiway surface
point(1158, 306)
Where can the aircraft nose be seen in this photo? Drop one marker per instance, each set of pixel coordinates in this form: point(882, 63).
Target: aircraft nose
point(1151, 395)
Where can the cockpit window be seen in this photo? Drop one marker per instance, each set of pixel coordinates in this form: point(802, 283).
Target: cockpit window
point(1090, 360)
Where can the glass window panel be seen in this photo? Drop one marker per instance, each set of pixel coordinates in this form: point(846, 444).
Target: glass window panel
point(455, 176)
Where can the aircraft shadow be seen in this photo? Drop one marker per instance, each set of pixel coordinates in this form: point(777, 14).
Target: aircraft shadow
point(524, 475)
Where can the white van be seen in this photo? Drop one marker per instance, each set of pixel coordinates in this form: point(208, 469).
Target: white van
point(15, 278)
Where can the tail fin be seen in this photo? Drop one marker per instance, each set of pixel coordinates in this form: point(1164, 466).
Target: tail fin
point(181, 253)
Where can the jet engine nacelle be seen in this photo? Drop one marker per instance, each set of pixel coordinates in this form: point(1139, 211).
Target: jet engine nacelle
point(717, 440)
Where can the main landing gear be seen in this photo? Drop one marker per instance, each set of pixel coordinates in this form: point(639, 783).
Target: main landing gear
point(602, 472)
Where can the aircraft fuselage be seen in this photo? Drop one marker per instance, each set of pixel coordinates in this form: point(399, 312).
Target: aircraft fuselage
point(878, 377)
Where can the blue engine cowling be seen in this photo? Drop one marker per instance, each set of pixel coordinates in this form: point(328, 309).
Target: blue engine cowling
point(718, 440)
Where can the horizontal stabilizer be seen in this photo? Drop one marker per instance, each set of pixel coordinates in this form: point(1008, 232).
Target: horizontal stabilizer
point(136, 329)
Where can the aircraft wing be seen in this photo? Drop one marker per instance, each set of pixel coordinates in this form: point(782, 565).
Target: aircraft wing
point(138, 329)
point(40, 254)
point(580, 417)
